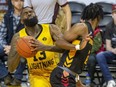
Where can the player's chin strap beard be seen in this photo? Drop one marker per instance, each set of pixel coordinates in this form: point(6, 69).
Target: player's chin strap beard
point(31, 22)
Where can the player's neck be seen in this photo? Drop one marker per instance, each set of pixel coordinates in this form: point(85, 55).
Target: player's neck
point(33, 31)
point(93, 24)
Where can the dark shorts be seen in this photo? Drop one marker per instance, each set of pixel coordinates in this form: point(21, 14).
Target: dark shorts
point(57, 79)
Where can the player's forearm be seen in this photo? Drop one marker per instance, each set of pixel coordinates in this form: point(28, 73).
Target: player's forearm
point(13, 62)
point(65, 45)
point(52, 48)
point(13, 57)
point(69, 46)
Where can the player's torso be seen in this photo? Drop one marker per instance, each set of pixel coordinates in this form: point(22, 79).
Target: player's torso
point(76, 59)
point(43, 61)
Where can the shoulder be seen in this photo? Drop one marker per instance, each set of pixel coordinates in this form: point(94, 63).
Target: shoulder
point(16, 36)
point(77, 30)
point(54, 27)
point(55, 30)
point(79, 27)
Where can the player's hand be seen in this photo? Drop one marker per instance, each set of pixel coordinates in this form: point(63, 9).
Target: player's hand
point(37, 45)
point(7, 49)
point(88, 37)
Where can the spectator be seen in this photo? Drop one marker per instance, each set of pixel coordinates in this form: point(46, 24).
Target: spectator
point(9, 26)
point(46, 10)
point(104, 57)
point(97, 47)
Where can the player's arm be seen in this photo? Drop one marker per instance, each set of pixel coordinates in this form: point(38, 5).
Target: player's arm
point(55, 33)
point(13, 57)
point(78, 30)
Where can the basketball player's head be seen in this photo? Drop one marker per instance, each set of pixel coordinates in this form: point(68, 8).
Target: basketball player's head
point(28, 17)
point(93, 12)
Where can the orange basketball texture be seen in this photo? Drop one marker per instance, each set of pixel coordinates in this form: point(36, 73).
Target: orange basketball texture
point(23, 47)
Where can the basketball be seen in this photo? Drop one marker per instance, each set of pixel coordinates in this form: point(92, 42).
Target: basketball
point(23, 47)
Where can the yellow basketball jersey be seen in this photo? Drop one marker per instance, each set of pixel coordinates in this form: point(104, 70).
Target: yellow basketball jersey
point(43, 62)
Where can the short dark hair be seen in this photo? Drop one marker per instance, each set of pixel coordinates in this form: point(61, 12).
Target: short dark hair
point(92, 11)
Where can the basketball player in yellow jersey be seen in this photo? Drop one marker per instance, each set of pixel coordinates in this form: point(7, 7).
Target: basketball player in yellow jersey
point(41, 65)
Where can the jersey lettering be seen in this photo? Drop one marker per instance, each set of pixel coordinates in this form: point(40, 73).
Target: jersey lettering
point(41, 65)
point(43, 56)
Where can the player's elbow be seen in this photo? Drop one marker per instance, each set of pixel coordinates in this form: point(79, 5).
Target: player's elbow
point(59, 43)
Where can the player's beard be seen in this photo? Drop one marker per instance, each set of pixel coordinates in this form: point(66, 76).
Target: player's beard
point(31, 22)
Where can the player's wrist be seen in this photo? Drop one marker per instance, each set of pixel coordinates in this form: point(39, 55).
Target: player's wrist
point(77, 47)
